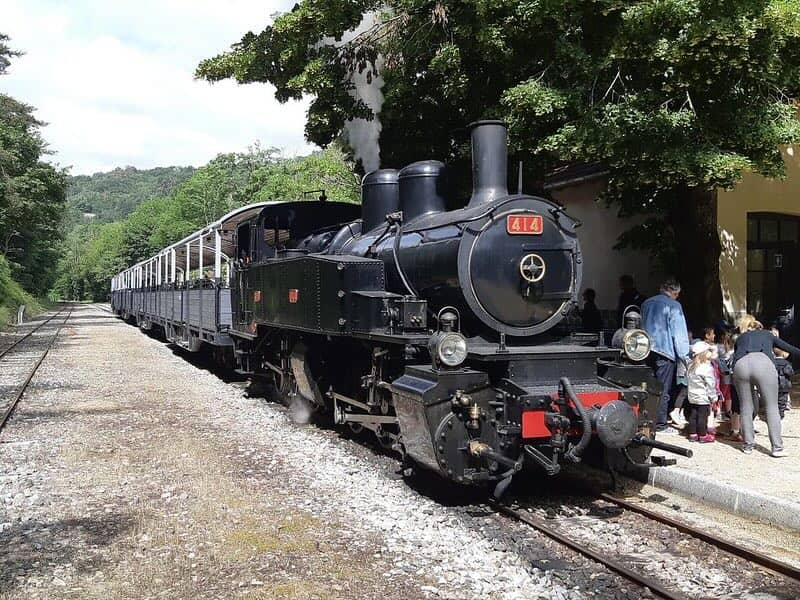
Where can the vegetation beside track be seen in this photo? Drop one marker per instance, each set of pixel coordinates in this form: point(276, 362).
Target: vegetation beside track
point(165, 205)
point(12, 296)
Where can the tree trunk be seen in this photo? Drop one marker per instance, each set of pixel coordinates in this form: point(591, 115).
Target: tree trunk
point(693, 219)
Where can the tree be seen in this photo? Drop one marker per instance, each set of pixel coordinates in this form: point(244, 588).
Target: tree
point(676, 97)
point(31, 193)
point(94, 252)
point(6, 54)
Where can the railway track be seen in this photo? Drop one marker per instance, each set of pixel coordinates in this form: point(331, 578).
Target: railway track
point(16, 372)
point(23, 336)
point(578, 546)
point(616, 565)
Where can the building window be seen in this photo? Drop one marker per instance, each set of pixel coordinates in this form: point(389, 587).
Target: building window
point(773, 256)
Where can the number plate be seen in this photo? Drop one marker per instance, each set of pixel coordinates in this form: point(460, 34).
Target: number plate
point(524, 224)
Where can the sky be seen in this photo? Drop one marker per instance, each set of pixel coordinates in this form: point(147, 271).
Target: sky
point(113, 81)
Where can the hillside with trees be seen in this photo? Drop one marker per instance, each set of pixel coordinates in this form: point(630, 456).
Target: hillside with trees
point(112, 196)
point(675, 98)
point(94, 251)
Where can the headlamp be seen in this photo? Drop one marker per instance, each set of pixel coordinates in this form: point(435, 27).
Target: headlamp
point(636, 344)
point(451, 349)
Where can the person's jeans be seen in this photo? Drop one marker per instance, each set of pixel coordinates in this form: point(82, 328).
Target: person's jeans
point(664, 370)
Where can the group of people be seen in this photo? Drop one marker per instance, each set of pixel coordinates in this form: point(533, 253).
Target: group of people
point(724, 374)
point(591, 317)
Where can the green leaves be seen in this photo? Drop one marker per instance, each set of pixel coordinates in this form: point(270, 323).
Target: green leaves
point(188, 200)
point(6, 53)
point(31, 198)
point(669, 95)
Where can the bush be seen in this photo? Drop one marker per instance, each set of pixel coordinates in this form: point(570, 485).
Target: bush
point(12, 296)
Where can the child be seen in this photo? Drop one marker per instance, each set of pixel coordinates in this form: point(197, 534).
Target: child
point(702, 391)
point(724, 358)
point(785, 373)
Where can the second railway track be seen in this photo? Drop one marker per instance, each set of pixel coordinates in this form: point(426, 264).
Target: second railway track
point(20, 361)
point(623, 566)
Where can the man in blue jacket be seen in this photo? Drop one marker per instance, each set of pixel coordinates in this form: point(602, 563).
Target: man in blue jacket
point(663, 319)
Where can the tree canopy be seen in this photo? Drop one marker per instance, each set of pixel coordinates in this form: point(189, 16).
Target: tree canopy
point(666, 92)
point(112, 196)
point(673, 96)
point(31, 193)
point(94, 251)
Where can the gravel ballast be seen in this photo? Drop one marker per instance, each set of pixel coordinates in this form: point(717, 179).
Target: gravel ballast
point(129, 472)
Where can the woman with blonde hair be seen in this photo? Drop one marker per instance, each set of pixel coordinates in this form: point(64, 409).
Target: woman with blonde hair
point(754, 367)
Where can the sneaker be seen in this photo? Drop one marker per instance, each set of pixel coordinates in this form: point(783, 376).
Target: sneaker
point(692, 437)
point(668, 430)
point(779, 454)
point(747, 450)
point(706, 439)
point(676, 416)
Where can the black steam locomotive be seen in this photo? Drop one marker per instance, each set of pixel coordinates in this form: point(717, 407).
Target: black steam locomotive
point(437, 330)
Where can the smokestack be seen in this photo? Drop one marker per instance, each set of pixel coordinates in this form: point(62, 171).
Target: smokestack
point(489, 161)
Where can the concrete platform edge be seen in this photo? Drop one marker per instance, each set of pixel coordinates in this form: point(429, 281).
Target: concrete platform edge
point(737, 500)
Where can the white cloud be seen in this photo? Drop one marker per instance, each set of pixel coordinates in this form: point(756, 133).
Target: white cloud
point(114, 81)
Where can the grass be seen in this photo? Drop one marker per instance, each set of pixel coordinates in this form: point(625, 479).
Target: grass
point(294, 590)
point(12, 296)
point(290, 536)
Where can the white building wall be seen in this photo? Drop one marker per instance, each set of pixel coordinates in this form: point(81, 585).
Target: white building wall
point(601, 228)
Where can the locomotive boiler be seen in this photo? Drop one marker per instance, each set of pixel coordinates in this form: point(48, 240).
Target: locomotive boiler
point(438, 330)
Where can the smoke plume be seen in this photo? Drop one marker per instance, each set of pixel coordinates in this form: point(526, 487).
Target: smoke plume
point(362, 135)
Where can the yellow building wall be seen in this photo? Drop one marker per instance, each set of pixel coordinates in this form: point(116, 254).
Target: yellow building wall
point(753, 194)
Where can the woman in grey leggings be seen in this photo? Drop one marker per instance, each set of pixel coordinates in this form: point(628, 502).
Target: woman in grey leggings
point(754, 367)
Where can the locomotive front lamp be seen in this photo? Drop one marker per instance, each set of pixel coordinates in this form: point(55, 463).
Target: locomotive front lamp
point(451, 349)
point(636, 344)
point(447, 346)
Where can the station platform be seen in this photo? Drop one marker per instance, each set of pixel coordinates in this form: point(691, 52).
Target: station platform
point(755, 485)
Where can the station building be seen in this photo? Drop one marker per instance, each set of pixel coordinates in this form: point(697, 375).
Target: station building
point(759, 228)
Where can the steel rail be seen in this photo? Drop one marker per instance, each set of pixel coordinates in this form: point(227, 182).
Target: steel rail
point(728, 546)
point(21, 391)
point(611, 564)
point(103, 308)
point(7, 349)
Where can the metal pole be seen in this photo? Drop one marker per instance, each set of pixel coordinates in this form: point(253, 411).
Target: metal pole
point(200, 259)
point(174, 264)
point(188, 261)
point(217, 255)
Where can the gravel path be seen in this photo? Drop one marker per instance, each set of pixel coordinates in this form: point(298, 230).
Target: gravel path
point(129, 472)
